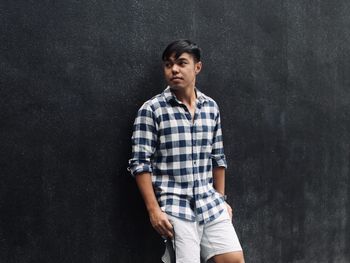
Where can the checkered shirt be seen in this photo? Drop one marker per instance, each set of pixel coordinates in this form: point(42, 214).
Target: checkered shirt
point(180, 154)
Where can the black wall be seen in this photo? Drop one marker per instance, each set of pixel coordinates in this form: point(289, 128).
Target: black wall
point(74, 73)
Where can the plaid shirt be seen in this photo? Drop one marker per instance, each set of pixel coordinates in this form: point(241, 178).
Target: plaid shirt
point(180, 154)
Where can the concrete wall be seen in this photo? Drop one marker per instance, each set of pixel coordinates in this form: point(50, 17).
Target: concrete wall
point(74, 73)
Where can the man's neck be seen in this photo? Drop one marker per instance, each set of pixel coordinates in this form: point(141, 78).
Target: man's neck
point(186, 96)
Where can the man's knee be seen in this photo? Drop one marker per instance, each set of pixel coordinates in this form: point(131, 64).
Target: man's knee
point(232, 257)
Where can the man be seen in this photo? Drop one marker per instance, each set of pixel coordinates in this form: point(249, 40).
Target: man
point(179, 164)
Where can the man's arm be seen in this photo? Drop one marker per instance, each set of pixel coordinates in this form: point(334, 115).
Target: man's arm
point(219, 184)
point(219, 179)
point(144, 140)
point(158, 218)
point(219, 160)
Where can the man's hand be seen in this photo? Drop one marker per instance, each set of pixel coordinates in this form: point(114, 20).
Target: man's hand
point(158, 218)
point(161, 224)
point(229, 210)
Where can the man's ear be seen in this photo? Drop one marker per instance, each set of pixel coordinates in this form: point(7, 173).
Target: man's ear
point(198, 67)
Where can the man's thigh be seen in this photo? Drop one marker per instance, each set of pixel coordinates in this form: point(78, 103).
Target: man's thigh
point(232, 257)
point(219, 237)
point(186, 240)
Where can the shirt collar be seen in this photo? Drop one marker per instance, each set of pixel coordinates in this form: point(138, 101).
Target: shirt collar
point(170, 96)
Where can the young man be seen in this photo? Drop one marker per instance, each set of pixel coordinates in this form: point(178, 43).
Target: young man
point(179, 164)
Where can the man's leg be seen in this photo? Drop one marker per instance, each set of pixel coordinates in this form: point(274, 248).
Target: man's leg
point(231, 257)
point(186, 240)
point(220, 243)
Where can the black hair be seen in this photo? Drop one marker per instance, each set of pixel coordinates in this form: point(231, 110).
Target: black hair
point(180, 46)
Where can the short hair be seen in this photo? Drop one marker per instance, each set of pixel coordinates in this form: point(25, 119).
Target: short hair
point(180, 46)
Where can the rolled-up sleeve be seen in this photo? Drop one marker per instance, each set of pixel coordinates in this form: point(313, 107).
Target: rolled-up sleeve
point(144, 139)
point(217, 154)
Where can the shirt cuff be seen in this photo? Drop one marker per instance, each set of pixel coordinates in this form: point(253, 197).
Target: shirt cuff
point(140, 168)
point(219, 161)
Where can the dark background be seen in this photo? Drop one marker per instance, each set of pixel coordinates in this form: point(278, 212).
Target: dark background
point(74, 73)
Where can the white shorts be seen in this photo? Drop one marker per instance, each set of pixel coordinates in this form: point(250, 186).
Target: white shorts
point(194, 243)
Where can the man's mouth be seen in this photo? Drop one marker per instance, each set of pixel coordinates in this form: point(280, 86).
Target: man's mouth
point(176, 78)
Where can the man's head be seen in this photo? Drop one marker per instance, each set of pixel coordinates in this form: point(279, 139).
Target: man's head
point(180, 46)
point(182, 63)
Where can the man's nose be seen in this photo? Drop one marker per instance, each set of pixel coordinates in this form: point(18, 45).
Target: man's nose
point(175, 68)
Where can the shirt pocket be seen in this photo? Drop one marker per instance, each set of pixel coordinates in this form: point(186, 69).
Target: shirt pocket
point(204, 135)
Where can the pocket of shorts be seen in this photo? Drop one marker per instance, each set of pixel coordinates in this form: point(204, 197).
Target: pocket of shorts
point(226, 213)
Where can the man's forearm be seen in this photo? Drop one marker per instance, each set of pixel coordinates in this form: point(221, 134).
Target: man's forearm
point(157, 217)
point(219, 185)
point(144, 183)
point(219, 179)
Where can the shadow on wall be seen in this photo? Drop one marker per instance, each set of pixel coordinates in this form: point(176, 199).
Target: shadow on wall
point(137, 239)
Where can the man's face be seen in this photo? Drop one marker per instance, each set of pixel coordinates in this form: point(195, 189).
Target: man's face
point(181, 73)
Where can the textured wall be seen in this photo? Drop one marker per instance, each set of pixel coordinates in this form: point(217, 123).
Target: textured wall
point(74, 73)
